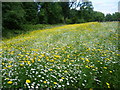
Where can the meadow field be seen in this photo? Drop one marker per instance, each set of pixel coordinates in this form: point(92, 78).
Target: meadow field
point(70, 56)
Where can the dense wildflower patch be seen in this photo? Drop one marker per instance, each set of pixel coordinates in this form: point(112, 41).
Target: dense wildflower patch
point(78, 55)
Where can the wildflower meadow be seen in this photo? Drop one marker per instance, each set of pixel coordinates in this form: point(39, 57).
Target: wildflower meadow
point(70, 56)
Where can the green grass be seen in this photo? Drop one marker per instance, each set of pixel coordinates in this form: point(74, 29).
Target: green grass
point(70, 56)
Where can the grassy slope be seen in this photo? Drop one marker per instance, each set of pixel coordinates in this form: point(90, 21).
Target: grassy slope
point(7, 34)
point(84, 55)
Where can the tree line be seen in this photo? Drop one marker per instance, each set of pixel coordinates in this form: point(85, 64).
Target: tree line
point(16, 14)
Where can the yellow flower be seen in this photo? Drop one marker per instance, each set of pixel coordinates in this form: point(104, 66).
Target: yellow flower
point(4, 68)
point(90, 89)
point(33, 61)
point(28, 81)
point(55, 82)
point(110, 71)
point(104, 54)
point(3, 63)
point(50, 69)
point(9, 66)
point(62, 78)
point(28, 62)
point(68, 56)
point(25, 61)
point(88, 49)
point(21, 55)
point(39, 60)
point(105, 67)
point(72, 60)
point(52, 60)
point(9, 82)
point(87, 60)
point(57, 56)
point(118, 54)
point(42, 55)
point(107, 59)
point(21, 65)
point(45, 82)
point(7, 78)
point(87, 66)
point(39, 56)
point(92, 66)
point(64, 60)
point(65, 71)
point(108, 85)
point(47, 57)
point(27, 53)
point(98, 49)
point(82, 58)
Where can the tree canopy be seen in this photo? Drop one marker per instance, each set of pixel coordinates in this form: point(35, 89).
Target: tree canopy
point(15, 14)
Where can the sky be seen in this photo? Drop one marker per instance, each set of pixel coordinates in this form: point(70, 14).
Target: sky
point(105, 6)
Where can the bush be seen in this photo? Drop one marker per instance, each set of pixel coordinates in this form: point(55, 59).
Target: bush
point(12, 20)
point(68, 21)
point(81, 21)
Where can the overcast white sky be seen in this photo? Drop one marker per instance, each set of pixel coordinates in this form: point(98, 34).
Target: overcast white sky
point(105, 6)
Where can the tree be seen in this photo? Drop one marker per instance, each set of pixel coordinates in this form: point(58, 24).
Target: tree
point(108, 17)
point(13, 15)
point(31, 10)
point(98, 16)
point(116, 16)
point(65, 10)
point(50, 13)
point(73, 16)
point(86, 11)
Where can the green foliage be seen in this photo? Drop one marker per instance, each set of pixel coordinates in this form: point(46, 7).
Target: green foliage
point(81, 21)
point(84, 14)
point(73, 16)
point(65, 10)
point(86, 11)
point(30, 12)
point(16, 14)
point(98, 16)
point(116, 16)
point(50, 13)
point(113, 17)
point(13, 15)
point(42, 15)
point(7, 33)
point(68, 21)
point(108, 17)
